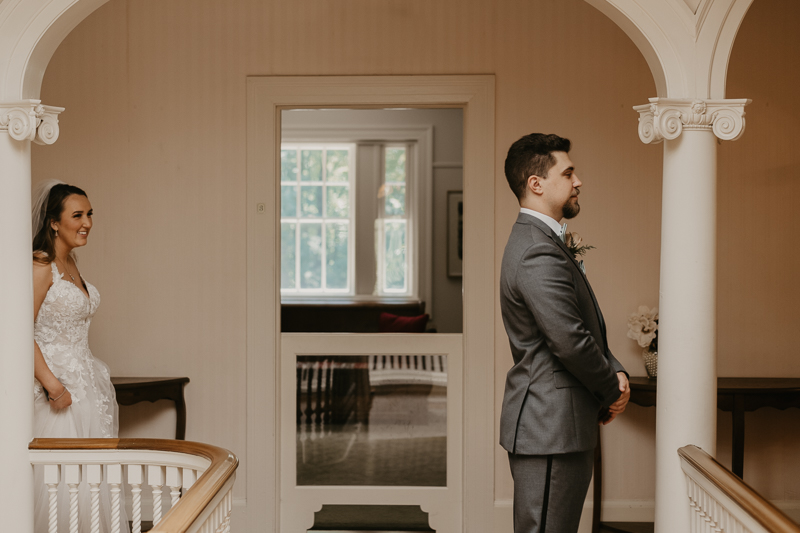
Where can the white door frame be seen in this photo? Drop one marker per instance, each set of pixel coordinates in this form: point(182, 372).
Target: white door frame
point(266, 97)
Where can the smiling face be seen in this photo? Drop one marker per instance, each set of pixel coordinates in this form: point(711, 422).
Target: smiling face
point(560, 189)
point(76, 222)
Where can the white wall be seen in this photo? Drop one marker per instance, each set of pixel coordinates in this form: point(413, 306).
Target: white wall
point(448, 137)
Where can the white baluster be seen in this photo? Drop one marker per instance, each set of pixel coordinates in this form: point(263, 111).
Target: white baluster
point(94, 478)
point(174, 483)
point(114, 480)
point(189, 478)
point(135, 479)
point(52, 477)
point(228, 509)
point(73, 479)
point(155, 478)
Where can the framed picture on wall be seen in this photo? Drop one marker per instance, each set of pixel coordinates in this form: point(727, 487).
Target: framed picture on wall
point(455, 233)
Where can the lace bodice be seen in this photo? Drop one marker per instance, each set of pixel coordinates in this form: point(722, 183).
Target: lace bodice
point(61, 330)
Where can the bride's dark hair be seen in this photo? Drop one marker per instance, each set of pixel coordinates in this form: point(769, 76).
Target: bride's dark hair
point(44, 243)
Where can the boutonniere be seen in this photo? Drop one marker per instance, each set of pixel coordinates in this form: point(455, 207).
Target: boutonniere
point(573, 242)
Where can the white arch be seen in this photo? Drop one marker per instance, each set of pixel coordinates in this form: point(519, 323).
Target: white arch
point(687, 43)
point(30, 32)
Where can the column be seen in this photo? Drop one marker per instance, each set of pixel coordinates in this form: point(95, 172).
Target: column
point(687, 371)
point(20, 123)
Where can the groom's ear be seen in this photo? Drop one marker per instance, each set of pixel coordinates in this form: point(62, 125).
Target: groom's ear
point(534, 185)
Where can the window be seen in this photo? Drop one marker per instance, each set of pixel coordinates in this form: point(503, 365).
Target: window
point(348, 220)
point(392, 226)
point(317, 219)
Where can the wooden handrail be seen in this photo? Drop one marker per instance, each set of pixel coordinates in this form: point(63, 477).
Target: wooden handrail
point(191, 505)
point(752, 503)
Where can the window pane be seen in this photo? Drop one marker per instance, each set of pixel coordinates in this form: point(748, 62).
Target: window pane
point(395, 275)
point(312, 165)
point(395, 164)
point(376, 420)
point(338, 201)
point(337, 165)
point(311, 201)
point(288, 200)
point(288, 255)
point(288, 165)
point(310, 256)
point(336, 255)
point(395, 200)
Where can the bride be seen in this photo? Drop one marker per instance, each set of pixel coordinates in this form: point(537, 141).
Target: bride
point(73, 394)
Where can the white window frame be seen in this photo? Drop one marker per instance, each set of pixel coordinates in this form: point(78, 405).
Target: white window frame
point(324, 292)
point(419, 195)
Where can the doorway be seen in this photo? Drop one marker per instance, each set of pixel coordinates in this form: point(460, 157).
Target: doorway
point(303, 366)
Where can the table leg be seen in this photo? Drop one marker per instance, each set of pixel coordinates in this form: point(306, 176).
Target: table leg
point(597, 497)
point(737, 443)
point(180, 407)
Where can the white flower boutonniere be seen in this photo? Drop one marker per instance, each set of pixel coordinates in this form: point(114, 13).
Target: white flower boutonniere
point(573, 242)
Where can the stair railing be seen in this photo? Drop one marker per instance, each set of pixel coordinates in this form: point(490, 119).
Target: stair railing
point(721, 501)
point(195, 480)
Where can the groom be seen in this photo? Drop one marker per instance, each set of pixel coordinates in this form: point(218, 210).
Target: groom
point(564, 379)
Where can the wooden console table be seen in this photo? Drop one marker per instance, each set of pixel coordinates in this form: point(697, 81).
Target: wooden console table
point(135, 390)
point(734, 395)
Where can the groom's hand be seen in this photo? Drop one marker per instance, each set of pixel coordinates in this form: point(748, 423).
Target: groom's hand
point(618, 407)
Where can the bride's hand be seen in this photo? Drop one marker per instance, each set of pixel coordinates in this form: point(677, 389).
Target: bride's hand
point(62, 402)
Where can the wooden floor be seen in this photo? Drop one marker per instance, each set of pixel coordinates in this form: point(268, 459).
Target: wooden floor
point(626, 527)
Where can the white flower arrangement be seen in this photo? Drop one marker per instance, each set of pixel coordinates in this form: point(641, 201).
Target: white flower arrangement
point(643, 327)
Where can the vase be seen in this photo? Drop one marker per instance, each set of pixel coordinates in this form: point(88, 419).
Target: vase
point(650, 362)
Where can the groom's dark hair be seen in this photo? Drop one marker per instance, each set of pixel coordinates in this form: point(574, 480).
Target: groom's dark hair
point(532, 155)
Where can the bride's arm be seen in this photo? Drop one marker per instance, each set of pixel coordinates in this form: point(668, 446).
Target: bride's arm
point(42, 279)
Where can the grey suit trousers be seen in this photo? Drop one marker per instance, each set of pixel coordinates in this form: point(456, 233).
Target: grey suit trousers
point(549, 491)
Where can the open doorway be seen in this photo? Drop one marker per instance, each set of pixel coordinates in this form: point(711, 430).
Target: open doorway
point(275, 356)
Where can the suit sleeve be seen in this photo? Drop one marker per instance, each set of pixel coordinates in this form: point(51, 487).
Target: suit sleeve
point(616, 365)
point(548, 288)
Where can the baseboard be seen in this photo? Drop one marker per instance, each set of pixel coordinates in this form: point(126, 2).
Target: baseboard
point(613, 511)
point(617, 511)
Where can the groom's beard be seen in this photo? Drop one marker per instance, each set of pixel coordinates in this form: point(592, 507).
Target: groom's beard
point(572, 207)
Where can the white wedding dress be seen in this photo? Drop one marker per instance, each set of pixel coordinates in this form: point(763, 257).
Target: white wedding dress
point(62, 332)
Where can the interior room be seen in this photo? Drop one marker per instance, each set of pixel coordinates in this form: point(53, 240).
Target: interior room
point(158, 129)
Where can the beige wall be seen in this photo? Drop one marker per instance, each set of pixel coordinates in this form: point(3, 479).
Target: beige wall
point(155, 131)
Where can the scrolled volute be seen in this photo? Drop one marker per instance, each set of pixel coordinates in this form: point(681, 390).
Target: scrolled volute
point(670, 123)
point(29, 120)
point(667, 118)
point(20, 123)
point(727, 124)
point(647, 129)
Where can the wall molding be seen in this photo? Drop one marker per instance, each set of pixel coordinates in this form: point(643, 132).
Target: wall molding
point(616, 511)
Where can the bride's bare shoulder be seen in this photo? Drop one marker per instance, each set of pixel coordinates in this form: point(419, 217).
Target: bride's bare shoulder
point(42, 274)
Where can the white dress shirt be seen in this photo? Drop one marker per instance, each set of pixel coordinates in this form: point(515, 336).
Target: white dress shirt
point(550, 221)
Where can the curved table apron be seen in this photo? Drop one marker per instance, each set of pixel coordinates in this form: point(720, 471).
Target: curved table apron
point(134, 390)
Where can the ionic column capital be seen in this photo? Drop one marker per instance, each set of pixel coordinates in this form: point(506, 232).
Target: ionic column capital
point(29, 120)
point(666, 118)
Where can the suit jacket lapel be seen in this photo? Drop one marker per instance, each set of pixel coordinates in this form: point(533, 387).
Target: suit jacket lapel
point(528, 219)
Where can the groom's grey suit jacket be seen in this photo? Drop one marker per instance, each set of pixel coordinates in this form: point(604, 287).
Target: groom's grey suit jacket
point(563, 373)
